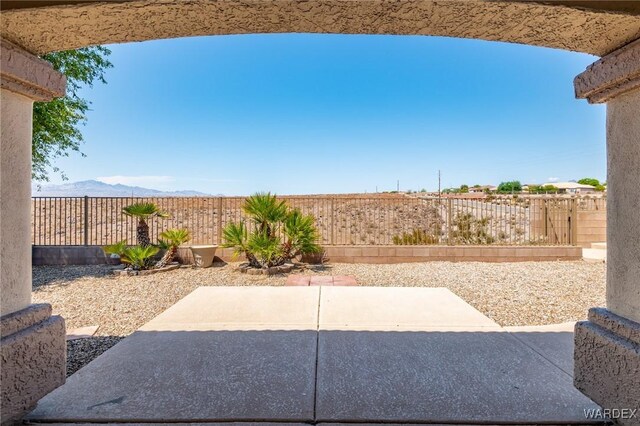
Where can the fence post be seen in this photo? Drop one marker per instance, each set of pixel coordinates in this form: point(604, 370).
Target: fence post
point(449, 213)
point(219, 221)
point(86, 220)
point(331, 223)
point(573, 218)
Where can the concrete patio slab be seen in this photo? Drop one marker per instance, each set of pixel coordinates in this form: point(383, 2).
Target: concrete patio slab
point(242, 308)
point(444, 377)
point(202, 360)
point(254, 355)
point(180, 424)
point(554, 342)
point(192, 376)
point(398, 309)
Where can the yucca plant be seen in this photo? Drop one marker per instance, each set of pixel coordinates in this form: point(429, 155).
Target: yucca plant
point(138, 257)
point(273, 220)
point(143, 212)
point(171, 239)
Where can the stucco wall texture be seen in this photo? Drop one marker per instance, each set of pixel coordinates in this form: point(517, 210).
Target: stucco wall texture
point(33, 350)
point(63, 27)
point(607, 361)
point(15, 192)
point(623, 220)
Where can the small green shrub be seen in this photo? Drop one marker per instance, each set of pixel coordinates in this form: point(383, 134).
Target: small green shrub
point(138, 257)
point(117, 248)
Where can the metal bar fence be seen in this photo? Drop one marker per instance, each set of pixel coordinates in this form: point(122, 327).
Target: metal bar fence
point(341, 220)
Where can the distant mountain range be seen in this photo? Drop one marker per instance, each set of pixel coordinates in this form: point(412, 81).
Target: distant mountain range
point(94, 188)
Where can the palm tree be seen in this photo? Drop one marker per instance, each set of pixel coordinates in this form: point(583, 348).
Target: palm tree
point(143, 212)
point(266, 211)
point(301, 234)
point(264, 246)
point(172, 239)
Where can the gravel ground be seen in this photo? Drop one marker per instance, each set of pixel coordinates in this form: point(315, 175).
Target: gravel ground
point(528, 293)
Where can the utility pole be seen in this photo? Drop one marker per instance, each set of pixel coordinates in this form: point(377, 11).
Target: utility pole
point(439, 184)
point(398, 186)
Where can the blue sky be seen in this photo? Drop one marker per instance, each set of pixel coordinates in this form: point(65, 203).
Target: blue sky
point(301, 113)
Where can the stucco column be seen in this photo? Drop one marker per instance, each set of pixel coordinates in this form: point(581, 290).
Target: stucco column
point(15, 192)
point(607, 352)
point(32, 340)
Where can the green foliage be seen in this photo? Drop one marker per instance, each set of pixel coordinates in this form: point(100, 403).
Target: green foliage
point(56, 124)
point(170, 240)
point(509, 187)
point(589, 181)
point(117, 248)
point(265, 248)
point(265, 210)
point(235, 236)
point(600, 188)
point(543, 189)
point(464, 189)
point(280, 233)
point(467, 229)
point(143, 211)
point(139, 257)
point(174, 238)
point(301, 234)
point(415, 238)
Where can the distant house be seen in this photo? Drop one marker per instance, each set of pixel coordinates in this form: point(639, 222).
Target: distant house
point(484, 188)
point(573, 188)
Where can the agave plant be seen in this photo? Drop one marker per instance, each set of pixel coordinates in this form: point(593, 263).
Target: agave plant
point(171, 239)
point(273, 220)
point(143, 212)
point(139, 257)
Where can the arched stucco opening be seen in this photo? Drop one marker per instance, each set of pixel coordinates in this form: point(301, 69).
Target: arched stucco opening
point(604, 28)
point(570, 25)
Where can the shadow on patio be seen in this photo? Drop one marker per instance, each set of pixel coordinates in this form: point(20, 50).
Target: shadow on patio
point(296, 355)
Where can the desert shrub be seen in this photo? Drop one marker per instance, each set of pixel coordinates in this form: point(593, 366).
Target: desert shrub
point(414, 238)
point(467, 229)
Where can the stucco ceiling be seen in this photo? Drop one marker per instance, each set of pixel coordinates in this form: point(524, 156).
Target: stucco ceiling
point(625, 6)
point(596, 27)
